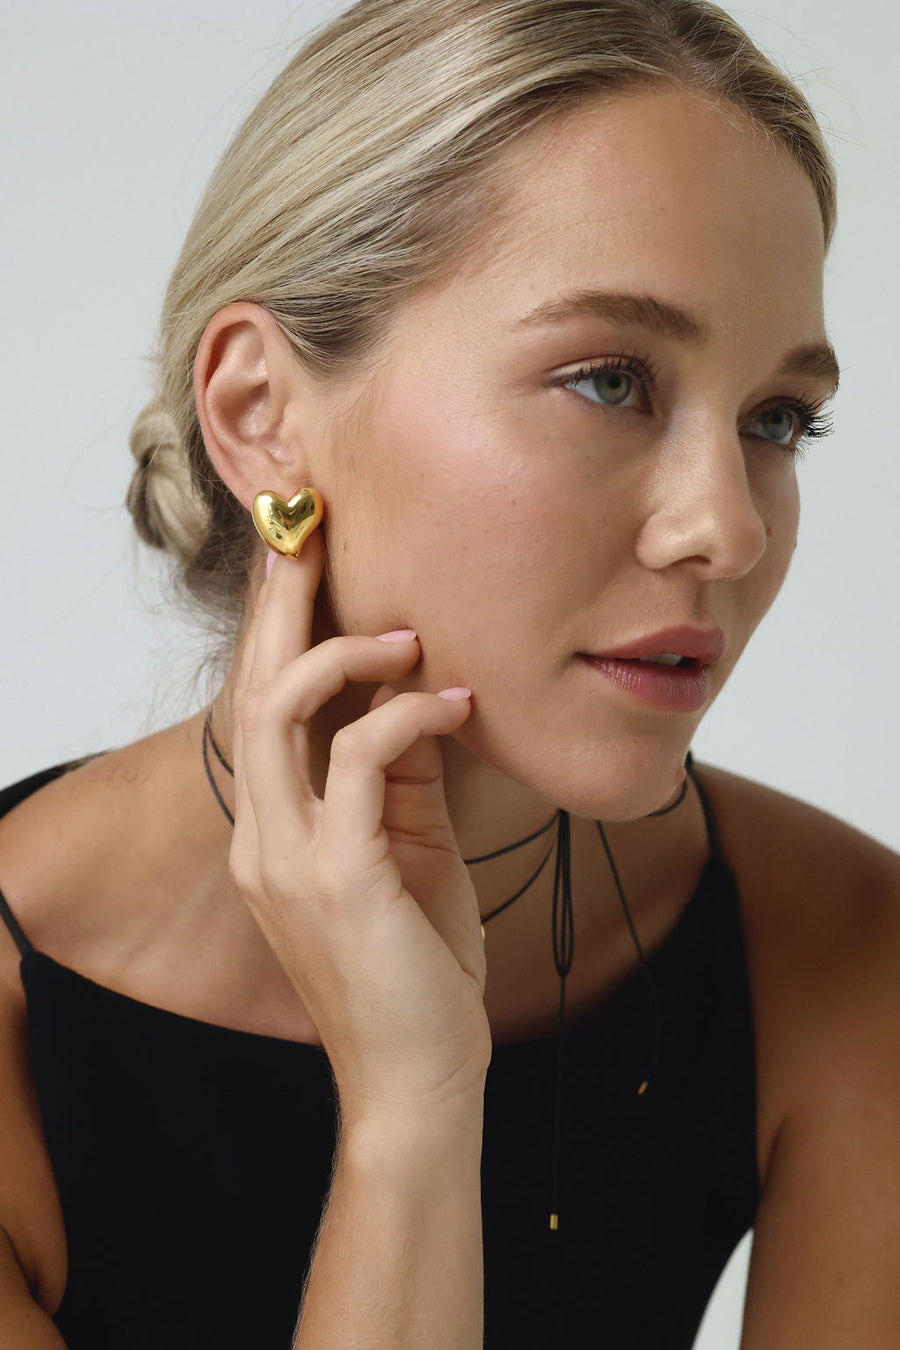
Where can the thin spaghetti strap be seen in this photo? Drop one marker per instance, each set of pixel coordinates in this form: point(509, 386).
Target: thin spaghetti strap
point(11, 922)
point(711, 831)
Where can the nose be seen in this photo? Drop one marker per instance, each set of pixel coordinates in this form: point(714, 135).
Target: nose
point(705, 508)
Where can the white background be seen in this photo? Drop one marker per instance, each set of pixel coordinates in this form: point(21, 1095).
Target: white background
point(115, 114)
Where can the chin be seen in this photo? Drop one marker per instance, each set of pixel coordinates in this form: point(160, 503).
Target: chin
point(619, 802)
point(623, 776)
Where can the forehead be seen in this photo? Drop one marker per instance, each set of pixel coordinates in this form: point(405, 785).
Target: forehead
point(658, 192)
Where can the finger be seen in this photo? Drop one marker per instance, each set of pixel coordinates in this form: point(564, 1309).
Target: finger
point(245, 843)
point(282, 631)
point(276, 718)
point(415, 811)
point(414, 784)
point(352, 827)
point(245, 839)
point(284, 619)
point(269, 645)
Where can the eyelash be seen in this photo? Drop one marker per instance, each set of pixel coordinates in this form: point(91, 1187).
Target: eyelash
point(813, 422)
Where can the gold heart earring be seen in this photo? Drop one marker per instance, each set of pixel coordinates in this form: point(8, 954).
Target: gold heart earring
point(285, 526)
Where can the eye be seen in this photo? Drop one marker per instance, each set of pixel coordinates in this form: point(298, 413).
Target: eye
point(793, 424)
point(617, 382)
point(783, 422)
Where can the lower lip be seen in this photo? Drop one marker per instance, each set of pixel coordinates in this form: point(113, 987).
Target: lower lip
point(672, 688)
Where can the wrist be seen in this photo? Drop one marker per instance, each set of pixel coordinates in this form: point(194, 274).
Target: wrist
point(378, 1136)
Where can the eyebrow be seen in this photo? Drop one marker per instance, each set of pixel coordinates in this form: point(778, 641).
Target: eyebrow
point(817, 360)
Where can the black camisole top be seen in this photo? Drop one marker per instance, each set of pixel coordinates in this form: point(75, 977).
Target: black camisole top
point(193, 1161)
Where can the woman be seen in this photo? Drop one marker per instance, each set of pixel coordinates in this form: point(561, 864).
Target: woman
point(496, 336)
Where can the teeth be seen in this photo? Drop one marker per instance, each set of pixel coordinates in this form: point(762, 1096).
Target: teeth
point(663, 658)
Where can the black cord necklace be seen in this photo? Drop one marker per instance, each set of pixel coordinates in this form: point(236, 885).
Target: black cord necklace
point(563, 926)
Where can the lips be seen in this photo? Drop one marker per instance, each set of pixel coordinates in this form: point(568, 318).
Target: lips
point(703, 647)
point(670, 689)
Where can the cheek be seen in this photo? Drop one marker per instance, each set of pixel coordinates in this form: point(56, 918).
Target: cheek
point(457, 495)
point(436, 526)
point(459, 514)
point(783, 513)
point(780, 510)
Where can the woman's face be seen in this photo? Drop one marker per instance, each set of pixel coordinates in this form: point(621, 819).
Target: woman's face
point(517, 514)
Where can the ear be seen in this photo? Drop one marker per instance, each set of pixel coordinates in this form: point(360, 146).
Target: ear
point(245, 379)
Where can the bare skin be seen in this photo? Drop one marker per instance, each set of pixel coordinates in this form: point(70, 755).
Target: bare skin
point(513, 523)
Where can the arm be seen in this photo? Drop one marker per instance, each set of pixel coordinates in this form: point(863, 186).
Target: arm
point(23, 1325)
point(27, 1247)
point(398, 1261)
point(825, 1262)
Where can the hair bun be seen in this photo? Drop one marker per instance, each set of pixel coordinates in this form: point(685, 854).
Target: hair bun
point(165, 508)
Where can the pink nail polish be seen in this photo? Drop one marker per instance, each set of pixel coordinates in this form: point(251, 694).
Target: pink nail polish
point(270, 563)
point(398, 635)
point(455, 694)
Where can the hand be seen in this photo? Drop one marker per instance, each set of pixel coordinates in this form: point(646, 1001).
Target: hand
point(362, 895)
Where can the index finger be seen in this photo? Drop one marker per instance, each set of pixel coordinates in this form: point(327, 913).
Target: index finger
point(270, 644)
point(284, 620)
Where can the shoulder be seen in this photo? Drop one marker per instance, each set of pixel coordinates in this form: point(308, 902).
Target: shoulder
point(65, 845)
point(789, 838)
point(808, 876)
point(820, 906)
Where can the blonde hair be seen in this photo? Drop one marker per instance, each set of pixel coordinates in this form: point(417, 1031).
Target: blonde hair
point(367, 169)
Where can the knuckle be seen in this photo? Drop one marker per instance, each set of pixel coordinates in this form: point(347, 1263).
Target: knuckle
point(351, 744)
point(338, 647)
point(243, 871)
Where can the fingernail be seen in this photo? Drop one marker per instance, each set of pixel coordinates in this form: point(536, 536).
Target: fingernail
point(458, 692)
point(270, 563)
point(398, 635)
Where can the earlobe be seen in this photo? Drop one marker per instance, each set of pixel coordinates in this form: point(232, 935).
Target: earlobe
point(241, 388)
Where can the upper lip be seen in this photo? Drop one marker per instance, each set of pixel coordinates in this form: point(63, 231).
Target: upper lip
point(702, 645)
